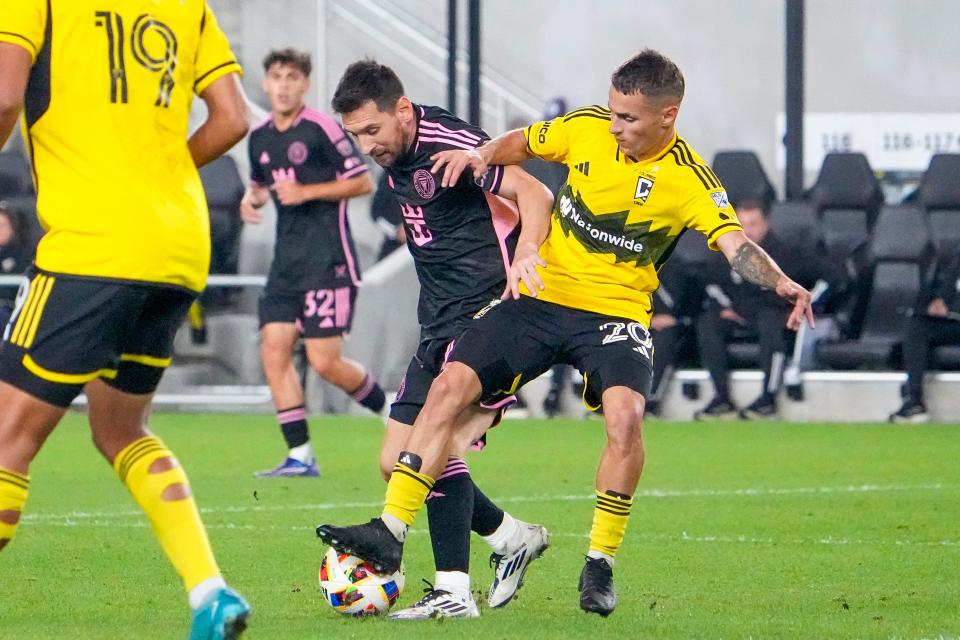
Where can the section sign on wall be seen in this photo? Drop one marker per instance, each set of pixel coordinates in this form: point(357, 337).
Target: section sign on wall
point(891, 141)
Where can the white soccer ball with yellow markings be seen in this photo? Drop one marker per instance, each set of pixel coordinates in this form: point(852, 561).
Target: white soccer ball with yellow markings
point(352, 587)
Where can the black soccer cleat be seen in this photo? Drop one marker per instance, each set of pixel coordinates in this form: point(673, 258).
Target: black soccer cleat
point(763, 408)
point(912, 412)
point(719, 409)
point(372, 542)
point(596, 587)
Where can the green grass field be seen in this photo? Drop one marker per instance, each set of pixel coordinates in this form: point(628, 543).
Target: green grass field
point(738, 531)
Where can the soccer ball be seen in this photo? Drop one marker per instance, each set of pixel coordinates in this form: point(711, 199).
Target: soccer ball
point(352, 587)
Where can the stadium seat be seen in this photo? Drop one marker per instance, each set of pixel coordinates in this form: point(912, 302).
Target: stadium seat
point(843, 231)
point(25, 206)
point(16, 178)
point(224, 190)
point(743, 177)
point(846, 181)
point(221, 183)
point(899, 255)
point(900, 235)
point(946, 357)
point(940, 186)
point(692, 248)
point(945, 231)
point(796, 223)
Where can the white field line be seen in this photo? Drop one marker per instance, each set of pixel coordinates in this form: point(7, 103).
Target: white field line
point(647, 494)
point(643, 537)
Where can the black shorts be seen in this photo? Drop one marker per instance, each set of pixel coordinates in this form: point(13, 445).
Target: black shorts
point(425, 365)
point(322, 312)
point(66, 331)
point(512, 342)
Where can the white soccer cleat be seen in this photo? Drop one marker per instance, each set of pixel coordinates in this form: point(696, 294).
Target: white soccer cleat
point(438, 604)
point(511, 568)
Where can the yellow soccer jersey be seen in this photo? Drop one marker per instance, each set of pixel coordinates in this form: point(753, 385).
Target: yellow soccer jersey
point(105, 119)
point(616, 221)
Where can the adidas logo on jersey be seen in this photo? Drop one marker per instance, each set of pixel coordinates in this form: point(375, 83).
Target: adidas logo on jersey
point(583, 167)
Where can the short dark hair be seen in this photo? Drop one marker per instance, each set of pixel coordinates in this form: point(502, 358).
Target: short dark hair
point(297, 59)
point(367, 80)
point(752, 203)
point(650, 73)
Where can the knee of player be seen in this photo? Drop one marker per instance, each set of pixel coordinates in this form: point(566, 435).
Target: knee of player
point(323, 365)
point(624, 424)
point(275, 352)
point(458, 383)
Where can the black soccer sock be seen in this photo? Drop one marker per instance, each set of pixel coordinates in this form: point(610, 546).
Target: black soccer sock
point(449, 510)
point(293, 424)
point(369, 394)
point(487, 517)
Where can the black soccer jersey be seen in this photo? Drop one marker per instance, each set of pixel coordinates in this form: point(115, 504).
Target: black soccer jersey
point(462, 237)
point(313, 242)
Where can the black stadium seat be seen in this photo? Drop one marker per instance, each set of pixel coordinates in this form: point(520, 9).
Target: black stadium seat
point(899, 253)
point(224, 190)
point(945, 231)
point(16, 178)
point(743, 177)
point(796, 223)
point(846, 181)
point(843, 232)
point(947, 357)
point(940, 186)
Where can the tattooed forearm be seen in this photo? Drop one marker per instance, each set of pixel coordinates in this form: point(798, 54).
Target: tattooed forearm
point(756, 266)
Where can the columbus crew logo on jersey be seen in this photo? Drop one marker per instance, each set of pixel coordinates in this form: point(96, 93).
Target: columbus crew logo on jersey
point(644, 187)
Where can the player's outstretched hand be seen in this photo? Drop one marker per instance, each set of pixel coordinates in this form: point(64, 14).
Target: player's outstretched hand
point(454, 162)
point(524, 267)
point(248, 210)
point(801, 299)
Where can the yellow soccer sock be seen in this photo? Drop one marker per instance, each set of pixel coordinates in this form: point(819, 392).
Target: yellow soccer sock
point(13, 495)
point(609, 522)
point(406, 493)
point(160, 487)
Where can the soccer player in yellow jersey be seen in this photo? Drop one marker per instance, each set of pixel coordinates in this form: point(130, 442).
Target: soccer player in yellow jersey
point(105, 88)
point(634, 187)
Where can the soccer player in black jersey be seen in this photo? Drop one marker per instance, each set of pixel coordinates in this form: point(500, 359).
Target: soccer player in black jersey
point(463, 239)
point(309, 165)
point(633, 188)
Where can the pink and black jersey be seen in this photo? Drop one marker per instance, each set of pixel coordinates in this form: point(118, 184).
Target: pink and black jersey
point(462, 237)
point(313, 242)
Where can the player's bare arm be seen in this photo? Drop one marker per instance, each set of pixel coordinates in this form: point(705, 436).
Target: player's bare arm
point(756, 266)
point(226, 123)
point(291, 193)
point(15, 66)
point(507, 148)
point(535, 203)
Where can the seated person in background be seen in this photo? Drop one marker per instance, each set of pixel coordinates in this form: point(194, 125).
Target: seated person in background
point(385, 211)
point(935, 322)
point(16, 253)
point(737, 308)
point(676, 304)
